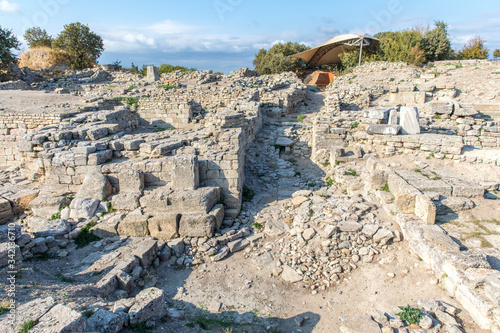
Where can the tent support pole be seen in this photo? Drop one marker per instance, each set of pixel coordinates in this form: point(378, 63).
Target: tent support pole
point(361, 50)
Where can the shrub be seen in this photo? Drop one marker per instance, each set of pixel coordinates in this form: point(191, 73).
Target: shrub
point(27, 326)
point(85, 236)
point(36, 37)
point(436, 44)
point(277, 60)
point(496, 53)
point(474, 49)
point(410, 315)
point(83, 46)
point(248, 194)
point(402, 46)
point(8, 43)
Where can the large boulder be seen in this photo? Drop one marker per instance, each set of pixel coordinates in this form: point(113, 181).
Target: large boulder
point(95, 186)
point(47, 205)
point(149, 304)
point(199, 201)
point(104, 321)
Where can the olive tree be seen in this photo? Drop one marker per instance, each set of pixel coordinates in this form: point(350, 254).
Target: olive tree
point(83, 46)
point(36, 37)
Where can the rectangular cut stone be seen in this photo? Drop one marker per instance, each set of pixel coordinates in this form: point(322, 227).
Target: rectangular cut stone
point(198, 201)
point(164, 226)
point(185, 173)
point(409, 120)
point(197, 225)
point(383, 129)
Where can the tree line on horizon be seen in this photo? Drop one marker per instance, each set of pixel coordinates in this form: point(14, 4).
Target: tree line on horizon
point(415, 46)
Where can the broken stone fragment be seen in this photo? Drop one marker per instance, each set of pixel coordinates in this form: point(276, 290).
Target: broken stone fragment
point(149, 304)
point(95, 186)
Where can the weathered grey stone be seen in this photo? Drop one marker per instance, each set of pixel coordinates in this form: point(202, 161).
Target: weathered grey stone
point(95, 186)
point(157, 201)
point(107, 285)
point(107, 228)
point(104, 321)
point(221, 254)
point(383, 236)
point(218, 212)
point(290, 275)
point(165, 254)
point(492, 289)
point(41, 227)
point(284, 142)
point(383, 129)
point(6, 212)
point(9, 251)
point(124, 280)
point(360, 324)
point(131, 181)
point(33, 310)
point(62, 319)
point(238, 245)
point(198, 201)
point(46, 205)
point(83, 208)
point(309, 234)
point(146, 251)
point(276, 227)
point(370, 229)
point(393, 117)
point(350, 226)
point(425, 209)
point(197, 225)
point(439, 237)
point(185, 173)
point(379, 114)
point(125, 201)
point(164, 226)
point(152, 74)
point(409, 120)
point(442, 108)
point(149, 304)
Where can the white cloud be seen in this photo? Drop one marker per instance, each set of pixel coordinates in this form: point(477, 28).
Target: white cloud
point(9, 7)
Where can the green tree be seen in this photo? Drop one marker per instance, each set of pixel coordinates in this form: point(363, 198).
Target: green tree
point(83, 46)
point(496, 53)
point(36, 37)
point(436, 44)
point(8, 43)
point(277, 60)
point(402, 45)
point(475, 48)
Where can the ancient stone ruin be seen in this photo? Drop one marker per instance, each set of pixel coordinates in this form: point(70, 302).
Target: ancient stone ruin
point(156, 201)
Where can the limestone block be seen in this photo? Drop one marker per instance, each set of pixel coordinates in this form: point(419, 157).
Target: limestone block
point(383, 129)
point(6, 252)
point(41, 227)
point(83, 208)
point(134, 224)
point(46, 205)
point(276, 227)
point(32, 310)
point(6, 212)
point(185, 173)
point(442, 108)
point(107, 228)
point(425, 209)
point(125, 201)
point(152, 74)
point(131, 181)
point(164, 226)
point(105, 321)
point(146, 251)
point(95, 186)
point(149, 303)
point(379, 114)
point(409, 120)
point(197, 225)
point(62, 319)
point(198, 201)
point(157, 201)
point(218, 212)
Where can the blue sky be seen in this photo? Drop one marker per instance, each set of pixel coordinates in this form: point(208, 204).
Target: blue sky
point(225, 34)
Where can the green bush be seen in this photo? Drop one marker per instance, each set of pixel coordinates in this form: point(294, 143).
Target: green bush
point(8, 43)
point(410, 315)
point(85, 236)
point(496, 53)
point(402, 46)
point(436, 44)
point(83, 46)
point(277, 60)
point(36, 37)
